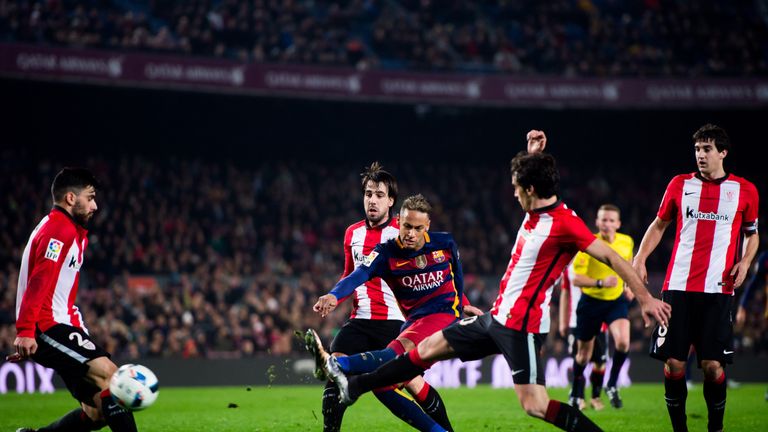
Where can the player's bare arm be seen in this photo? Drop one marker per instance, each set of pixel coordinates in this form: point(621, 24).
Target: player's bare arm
point(581, 280)
point(741, 268)
point(650, 240)
point(563, 311)
point(325, 305)
point(651, 307)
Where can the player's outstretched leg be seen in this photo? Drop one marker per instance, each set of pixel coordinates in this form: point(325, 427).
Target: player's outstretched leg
point(314, 345)
point(75, 421)
point(402, 369)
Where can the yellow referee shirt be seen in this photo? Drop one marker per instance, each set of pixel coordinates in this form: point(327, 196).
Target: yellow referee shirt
point(585, 265)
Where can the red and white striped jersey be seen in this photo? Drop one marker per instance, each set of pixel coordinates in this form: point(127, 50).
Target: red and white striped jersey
point(546, 242)
point(712, 218)
point(49, 275)
point(374, 299)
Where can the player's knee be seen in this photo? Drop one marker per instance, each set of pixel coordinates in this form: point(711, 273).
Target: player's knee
point(622, 345)
point(100, 371)
point(674, 366)
point(712, 369)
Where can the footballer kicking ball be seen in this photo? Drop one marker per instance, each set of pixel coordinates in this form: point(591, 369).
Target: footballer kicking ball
point(133, 387)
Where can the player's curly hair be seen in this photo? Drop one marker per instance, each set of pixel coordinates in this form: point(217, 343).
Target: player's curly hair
point(710, 132)
point(377, 174)
point(418, 203)
point(538, 170)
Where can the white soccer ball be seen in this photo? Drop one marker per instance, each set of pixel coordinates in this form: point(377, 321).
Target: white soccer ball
point(133, 387)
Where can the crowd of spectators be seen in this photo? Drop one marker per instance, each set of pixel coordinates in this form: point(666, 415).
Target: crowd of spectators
point(606, 38)
point(201, 258)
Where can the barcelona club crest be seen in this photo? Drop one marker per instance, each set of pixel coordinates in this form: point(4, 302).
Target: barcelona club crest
point(438, 256)
point(421, 261)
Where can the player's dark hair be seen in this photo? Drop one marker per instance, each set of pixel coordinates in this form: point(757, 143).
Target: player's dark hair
point(538, 170)
point(710, 132)
point(418, 203)
point(72, 180)
point(377, 174)
point(610, 207)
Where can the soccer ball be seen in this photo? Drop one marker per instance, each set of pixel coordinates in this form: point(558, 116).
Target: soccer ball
point(133, 387)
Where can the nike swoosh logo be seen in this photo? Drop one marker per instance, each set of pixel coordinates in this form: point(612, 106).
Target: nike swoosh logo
point(402, 263)
point(517, 371)
point(727, 352)
point(689, 193)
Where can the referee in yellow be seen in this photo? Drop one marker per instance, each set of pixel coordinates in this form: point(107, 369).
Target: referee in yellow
point(605, 299)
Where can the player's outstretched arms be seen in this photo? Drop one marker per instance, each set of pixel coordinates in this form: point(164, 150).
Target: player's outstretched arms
point(537, 141)
point(651, 307)
point(325, 304)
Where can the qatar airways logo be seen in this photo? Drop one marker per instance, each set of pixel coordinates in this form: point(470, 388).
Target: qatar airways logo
point(423, 281)
point(694, 214)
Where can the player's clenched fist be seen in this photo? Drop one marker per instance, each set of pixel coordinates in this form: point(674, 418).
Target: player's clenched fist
point(537, 141)
point(325, 304)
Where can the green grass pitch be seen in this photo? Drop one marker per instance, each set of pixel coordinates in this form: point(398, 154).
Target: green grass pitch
point(297, 408)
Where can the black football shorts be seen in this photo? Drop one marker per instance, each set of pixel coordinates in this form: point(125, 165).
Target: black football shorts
point(478, 337)
point(67, 350)
point(701, 320)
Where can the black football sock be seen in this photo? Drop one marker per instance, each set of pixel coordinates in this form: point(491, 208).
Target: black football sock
point(402, 368)
point(333, 410)
point(73, 421)
point(618, 361)
point(578, 380)
point(675, 394)
point(118, 419)
point(715, 394)
point(569, 418)
point(430, 401)
point(596, 379)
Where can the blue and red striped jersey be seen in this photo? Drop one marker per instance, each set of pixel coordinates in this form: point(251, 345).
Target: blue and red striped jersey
point(424, 281)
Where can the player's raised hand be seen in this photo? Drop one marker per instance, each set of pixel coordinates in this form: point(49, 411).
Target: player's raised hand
point(739, 273)
point(25, 347)
point(655, 309)
point(325, 305)
point(537, 141)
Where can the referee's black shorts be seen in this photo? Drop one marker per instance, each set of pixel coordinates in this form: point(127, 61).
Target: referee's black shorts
point(701, 320)
point(67, 350)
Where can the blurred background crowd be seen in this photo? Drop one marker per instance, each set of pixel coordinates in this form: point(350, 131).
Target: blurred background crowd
point(605, 38)
point(224, 259)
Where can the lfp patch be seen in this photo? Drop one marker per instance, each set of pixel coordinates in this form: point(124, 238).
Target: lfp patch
point(369, 259)
point(54, 250)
